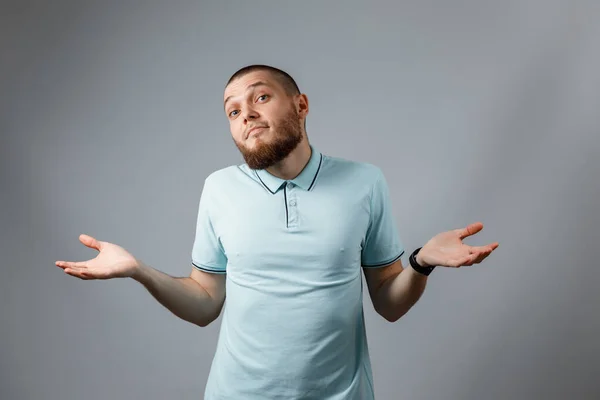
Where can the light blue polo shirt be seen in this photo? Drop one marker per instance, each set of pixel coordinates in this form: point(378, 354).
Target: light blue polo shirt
point(293, 324)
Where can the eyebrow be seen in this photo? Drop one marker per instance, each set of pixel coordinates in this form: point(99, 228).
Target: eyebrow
point(252, 86)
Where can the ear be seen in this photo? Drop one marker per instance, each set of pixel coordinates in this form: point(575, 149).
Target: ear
point(301, 103)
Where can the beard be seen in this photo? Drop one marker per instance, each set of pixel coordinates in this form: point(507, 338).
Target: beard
point(286, 136)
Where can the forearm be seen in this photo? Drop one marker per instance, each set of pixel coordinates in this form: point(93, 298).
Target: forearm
point(184, 297)
point(399, 293)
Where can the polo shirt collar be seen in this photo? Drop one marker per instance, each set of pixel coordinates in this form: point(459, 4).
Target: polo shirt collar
point(305, 180)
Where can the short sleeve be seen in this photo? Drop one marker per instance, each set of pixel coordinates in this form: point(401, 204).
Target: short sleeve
point(382, 245)
point(207, 252)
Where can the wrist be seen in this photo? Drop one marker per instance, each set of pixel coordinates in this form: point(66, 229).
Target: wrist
point(139, 271)
point(420, 261)
point(418, 264)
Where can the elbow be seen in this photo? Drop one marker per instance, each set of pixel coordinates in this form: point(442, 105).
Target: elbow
point(391, 318)
point(392, 315)
point(204, 322)
point(389, 315)
point(209, 314)
point(207, 320)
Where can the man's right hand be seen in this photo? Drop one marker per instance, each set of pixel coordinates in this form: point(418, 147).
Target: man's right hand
point(112, 261)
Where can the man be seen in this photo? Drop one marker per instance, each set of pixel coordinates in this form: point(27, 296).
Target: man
point(286, 236)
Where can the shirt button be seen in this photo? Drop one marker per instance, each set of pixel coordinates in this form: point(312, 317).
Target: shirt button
point(292, 203)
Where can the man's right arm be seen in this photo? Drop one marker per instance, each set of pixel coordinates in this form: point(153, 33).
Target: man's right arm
point(198, 298)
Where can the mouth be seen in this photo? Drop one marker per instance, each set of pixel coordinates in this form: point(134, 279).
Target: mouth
point(255, 131)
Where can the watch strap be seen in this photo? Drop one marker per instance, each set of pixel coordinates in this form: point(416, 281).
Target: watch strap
point(420, 269)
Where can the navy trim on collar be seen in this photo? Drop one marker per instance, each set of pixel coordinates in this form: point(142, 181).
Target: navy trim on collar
point(305, 180)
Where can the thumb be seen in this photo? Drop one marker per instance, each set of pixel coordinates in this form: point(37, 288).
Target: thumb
point(90, 241)
point(470, 230)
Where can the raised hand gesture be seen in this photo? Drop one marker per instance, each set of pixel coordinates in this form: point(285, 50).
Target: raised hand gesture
point(446, 249)
point(112, 261)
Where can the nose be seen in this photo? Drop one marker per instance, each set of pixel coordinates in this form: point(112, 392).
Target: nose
point(250, 114)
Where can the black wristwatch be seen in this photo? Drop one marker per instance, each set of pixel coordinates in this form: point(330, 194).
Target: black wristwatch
point(413, 263)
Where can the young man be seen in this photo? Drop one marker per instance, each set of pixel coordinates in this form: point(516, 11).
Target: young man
point(286, 236)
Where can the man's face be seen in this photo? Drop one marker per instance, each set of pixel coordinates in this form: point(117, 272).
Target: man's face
point(263, 119)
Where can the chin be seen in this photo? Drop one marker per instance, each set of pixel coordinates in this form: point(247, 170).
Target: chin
point(257, 140)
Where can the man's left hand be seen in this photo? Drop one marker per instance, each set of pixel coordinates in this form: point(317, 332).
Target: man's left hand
point(446, 249)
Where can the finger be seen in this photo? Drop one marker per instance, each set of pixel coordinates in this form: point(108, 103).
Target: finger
point(466, 260)
point(469, 260)
point(458, 262)
point(71, 264)
point(90, 241)
point(481, 249)
point(479, 257)
point(470, 230)
point(475, 257)
point(77, 274)
point(95, 273)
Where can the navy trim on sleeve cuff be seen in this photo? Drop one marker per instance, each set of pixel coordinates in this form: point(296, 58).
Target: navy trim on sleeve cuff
point(206, 269)
point(384, 263)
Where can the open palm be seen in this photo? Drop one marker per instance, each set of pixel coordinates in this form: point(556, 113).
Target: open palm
point(112, 261)
point(447, 249)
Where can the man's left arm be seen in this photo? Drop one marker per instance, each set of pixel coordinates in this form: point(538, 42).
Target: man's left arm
point(394, 289)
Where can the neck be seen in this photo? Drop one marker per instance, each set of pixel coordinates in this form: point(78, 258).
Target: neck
point(291, 166)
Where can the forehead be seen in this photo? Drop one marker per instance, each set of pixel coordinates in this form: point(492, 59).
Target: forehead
point(239, 85)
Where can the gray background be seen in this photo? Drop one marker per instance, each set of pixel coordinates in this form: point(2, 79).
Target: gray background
point(111, 117)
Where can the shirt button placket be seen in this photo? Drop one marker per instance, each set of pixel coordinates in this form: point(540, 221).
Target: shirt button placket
point(292, 205)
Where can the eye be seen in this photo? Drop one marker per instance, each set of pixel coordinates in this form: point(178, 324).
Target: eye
point(230, 114)
point(263, 95)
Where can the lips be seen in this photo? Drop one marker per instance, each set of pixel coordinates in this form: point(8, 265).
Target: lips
point(255, 129)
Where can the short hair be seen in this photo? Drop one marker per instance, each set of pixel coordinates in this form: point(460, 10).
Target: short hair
point(285, 80)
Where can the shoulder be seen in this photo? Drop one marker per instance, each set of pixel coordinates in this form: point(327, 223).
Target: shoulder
point(225, 175)
point(356, 170)
point(219, 179)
